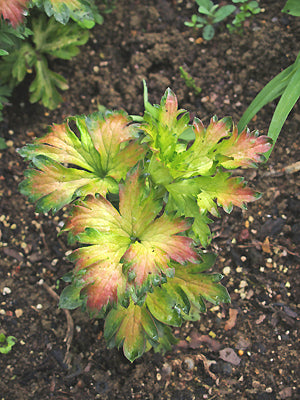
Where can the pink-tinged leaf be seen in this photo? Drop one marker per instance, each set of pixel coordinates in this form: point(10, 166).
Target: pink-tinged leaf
point(53, 185)
point(245, 149)
point(171, 107)
point(163, 235)
point(215, 131)
point(108, 135)
point(227, 191)
point(135, 237)
point(97, 213)
point(79, 166)
point(62, 145)
point(13, 11)
point(131, 328)
point(106, 283)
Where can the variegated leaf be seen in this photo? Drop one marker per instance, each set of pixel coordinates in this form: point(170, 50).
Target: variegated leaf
point(68, 167)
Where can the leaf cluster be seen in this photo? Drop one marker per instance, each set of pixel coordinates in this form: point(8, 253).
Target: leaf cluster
point(49, 39)
point(6, 343)
point(246, 10)
point(210, 15)
point(141, 192)
point(52, 29)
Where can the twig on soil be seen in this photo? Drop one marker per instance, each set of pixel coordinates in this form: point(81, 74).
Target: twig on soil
point(70, 324)
point(206, 364)
point(43, 238)
point(289, 169)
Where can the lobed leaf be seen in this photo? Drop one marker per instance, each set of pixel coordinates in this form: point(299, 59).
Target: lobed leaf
point(182, 297)
point(132, 240)
point(94, 157)
point(131, 328)
point(244, 150)
point(227, 191)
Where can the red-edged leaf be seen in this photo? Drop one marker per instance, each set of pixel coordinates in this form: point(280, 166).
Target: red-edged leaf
point(54, 185)
point(245, 149)
point(79, 166)
point(227, 191)
point(135, 238)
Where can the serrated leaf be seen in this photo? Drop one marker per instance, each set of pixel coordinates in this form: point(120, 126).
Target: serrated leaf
point(95, 159)
point(182, 297)
point(244, 150)
point(131, 328)
point(133, 239)
point(60, 41)
point(13, 11)
point(227, 191)
point(80, 11)
point(44, 87)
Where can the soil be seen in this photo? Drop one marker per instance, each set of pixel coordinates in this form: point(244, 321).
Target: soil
point(248, 349)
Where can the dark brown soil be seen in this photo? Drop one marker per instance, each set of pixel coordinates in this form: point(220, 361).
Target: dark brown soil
point(255, 352)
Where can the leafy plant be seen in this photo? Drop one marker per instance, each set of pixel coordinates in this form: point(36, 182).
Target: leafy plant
point(6, 343)
point(27, 48)
point(246, 10)
point(140, 191)
point(285, 85)
point(211, 14)
point(190, 81)
point(49, 38)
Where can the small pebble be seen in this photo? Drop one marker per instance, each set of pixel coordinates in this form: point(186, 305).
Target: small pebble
point(226, 270)
point(39, 306)
point(6, 290)
point(189, 363)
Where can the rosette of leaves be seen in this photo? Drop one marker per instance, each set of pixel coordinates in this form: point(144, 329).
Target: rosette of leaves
point(141, 195)
point(189, 162)
point(49, 39)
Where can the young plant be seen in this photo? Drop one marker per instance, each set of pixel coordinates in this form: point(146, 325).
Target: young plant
point(49, 38)
point(141, 190)
point(211, 14)
point(190, 81)
point(28, 48)
point(246, 10)
point(6, 343)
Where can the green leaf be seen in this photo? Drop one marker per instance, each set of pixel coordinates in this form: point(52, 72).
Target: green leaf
point(223, 13)
point(58, 40)
point(131, 328)
point(292, 7)
point(44, 85)
point(208, 32)
point(70, 297)
point(287, 101)
point(83, 12)
point(182, 296)
point(270, 92)
point(6, 343)
point(100, 158)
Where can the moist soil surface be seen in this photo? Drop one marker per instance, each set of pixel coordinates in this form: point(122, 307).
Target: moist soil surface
point(244, 350)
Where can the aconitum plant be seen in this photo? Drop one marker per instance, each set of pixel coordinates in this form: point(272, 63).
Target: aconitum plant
point(140, 191)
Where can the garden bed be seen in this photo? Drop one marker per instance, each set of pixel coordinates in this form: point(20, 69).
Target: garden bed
point(248, 349)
